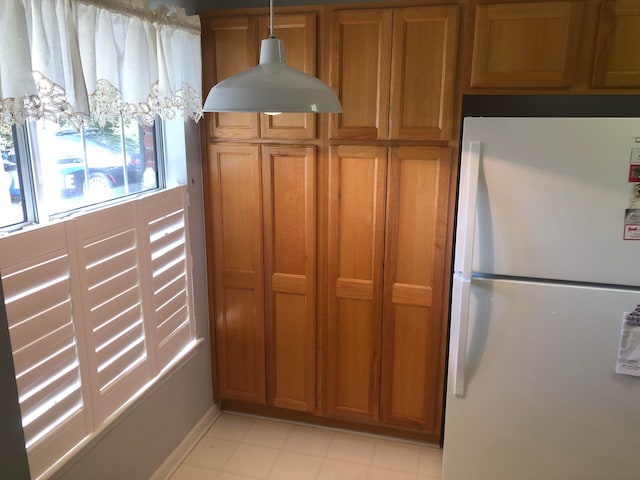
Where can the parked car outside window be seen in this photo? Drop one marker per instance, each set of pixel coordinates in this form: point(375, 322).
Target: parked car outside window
point(78, 168)
point(12, 178)
point(11, 209)
point(106, 165)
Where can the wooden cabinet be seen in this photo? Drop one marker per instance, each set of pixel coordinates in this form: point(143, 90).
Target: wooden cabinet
point(263, 209)
point(386, 269)
point(242, 35)
point(617, 57)
point(328, 262)
point(415, 272)
point(525, 44)
point(234, 179)
point(355, 253)
point(220, 37)
point(393, 70)
point(289, 192)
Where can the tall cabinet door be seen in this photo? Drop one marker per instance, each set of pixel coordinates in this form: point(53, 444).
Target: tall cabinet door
point(356, 194)
point(413, 332)
point(422, 72)
point(236, 202)
point(224, 35)
point(359, 73)
point(290, 245)
point(298, 33)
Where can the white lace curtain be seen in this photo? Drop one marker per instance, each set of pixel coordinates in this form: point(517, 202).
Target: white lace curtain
point(69, 59)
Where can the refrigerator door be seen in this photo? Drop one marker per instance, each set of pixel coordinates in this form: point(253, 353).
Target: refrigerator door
point(551, 198)
point(542, 399)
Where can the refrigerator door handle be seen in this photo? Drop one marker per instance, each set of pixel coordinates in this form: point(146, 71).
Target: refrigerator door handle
point(460, 327)
point(470, 199)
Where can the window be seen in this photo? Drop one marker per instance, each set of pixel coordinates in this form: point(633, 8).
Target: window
point(71, 168)
point(11, 191)
point(75, 168)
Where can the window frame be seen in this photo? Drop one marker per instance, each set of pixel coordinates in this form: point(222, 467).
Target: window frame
point(24, 160)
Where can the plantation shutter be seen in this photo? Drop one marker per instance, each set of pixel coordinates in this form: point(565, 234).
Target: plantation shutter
point(35, 269)
point(110, 285)
point(98, 306)
point(168, 254)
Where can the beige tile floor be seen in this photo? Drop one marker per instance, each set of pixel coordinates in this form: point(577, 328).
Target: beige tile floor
point(239, 447)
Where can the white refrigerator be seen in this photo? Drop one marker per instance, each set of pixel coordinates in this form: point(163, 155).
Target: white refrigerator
point(547, 262)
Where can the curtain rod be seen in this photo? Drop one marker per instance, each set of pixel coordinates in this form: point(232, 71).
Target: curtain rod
point(174, 17)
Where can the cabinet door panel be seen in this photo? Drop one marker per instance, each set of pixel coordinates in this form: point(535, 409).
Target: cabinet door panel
point(359, 73)
point(356, 350)
point(525, 45)
point(413, 329)
point(298, 32)
point(357, 177)
point(423, 72)
point(236, 34)
point(617, 58)
point(289, 220)
point(235, 182)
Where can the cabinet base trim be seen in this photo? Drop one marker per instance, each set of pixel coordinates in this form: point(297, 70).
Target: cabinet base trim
point(309, 418)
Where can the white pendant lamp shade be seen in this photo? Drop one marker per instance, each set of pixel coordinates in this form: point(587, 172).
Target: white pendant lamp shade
point(272, 87)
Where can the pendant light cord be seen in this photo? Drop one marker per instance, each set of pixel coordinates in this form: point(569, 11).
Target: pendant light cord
point(271, 19)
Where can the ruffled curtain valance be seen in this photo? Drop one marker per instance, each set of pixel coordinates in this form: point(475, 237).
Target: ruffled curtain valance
point(72, 59)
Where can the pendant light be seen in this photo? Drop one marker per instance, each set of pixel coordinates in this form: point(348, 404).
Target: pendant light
point(272, 86)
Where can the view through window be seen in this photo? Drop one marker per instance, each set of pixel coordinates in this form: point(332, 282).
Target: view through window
point(73, 168)
point(11, 192)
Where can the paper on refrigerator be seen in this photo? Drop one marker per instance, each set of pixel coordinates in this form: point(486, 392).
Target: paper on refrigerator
point(629, 350)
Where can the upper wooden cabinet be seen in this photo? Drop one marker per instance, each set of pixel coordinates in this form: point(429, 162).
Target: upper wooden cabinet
point(617, 57)
point(232, 45)
point(229, 47)
point(525, 44)
point(393, 70)
point(423, 67)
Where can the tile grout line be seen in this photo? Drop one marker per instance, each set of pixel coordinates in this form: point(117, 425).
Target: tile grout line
point(378, 440)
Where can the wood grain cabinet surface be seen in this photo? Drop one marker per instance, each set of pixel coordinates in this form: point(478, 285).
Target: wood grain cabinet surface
point(385, 341)
point(525, 44)
point(415, 272)
point(394, 72)
point(617, 57)
point(263, 212)
point(289, 217)
point(233, 45)
point(235, 215)
point(355, 255)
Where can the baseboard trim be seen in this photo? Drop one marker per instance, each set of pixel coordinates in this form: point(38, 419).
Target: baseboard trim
point(173, 461)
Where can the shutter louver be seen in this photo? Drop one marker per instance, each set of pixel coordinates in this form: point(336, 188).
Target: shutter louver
point(36, 279)
point(165, 217)
point(109, 278)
